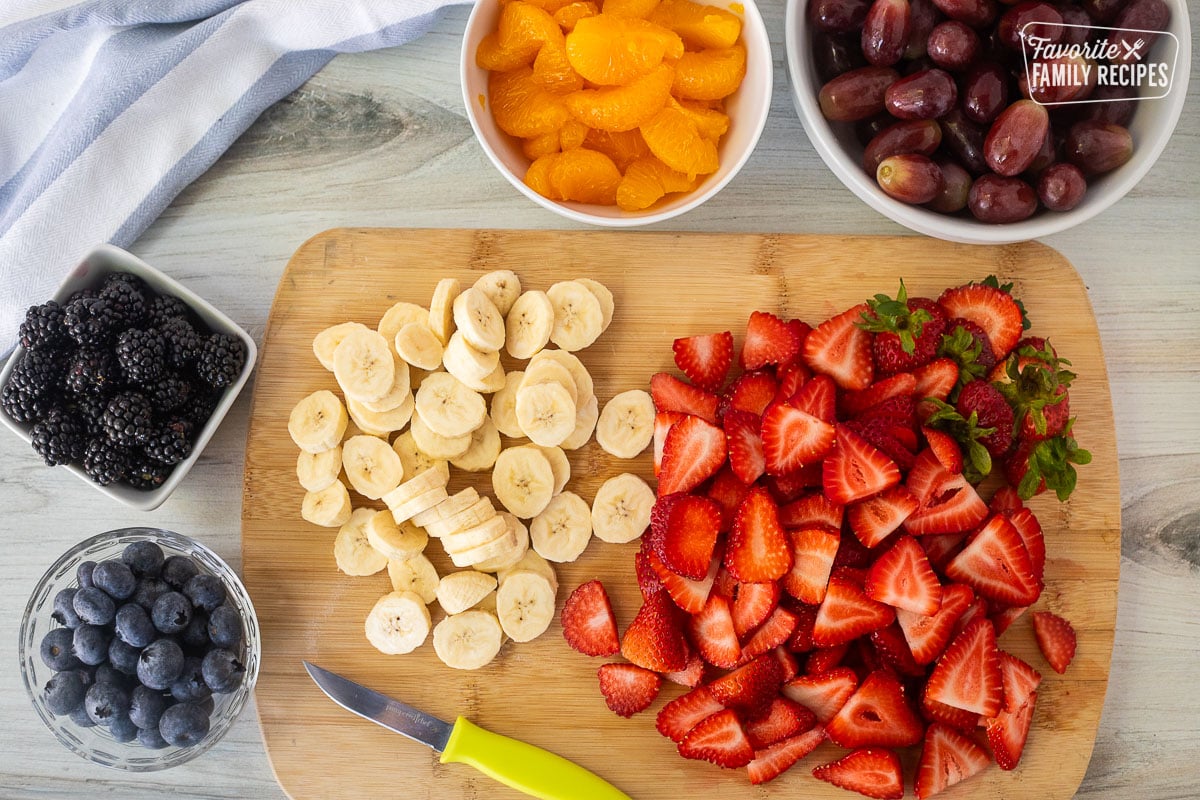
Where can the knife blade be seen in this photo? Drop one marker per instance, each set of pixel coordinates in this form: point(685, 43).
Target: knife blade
point(526, 768)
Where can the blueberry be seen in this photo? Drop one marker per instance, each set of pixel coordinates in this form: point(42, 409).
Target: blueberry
point(190, 685)
point(195, 635)
point(205, 591)
point(134, 626)
point(115, 579)
point(148, 590)
point(222, 670)
point(90, 644)
point(145, 559)
point(160, 664)
point(107, 673)
point(57, 650)
point(64, 693)
point(178, 570)
point(106, 702)
point(150, 738)
point(87, 674)
point(146, 706)
point(83, 573)
point(123, 657)
point(171, 613)
point(94, 606)
point(64, 609)
point(183, 724)
point(80, 717)
point(122, 729)
point(225, 627)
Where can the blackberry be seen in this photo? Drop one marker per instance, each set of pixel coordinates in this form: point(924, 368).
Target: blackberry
point(40, 373)
point(44, 327)
point(92, 371)
point(183, 343)
point(92, 321)
point(127, 297)
point(146, 473)
point(58, 438)
point(169, 392)
point(172, 443)
point(105, 463)
point(221, 360)
point(128, 420)
point(82, 294)
point(142, 355)
point(166, 307)
point(21, 405)
point(203, 404)
point(89, 411)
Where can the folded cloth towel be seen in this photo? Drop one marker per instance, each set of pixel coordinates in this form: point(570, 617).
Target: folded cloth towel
point(111, 107)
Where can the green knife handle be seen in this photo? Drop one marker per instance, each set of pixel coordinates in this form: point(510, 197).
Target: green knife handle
point(526, 768)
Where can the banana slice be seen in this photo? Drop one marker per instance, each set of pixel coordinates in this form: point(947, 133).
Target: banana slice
point(459, 591)
point(329, 508)
point(372, 466)
point(399, 393)
point(547, 370)
point(486, 551)
point(434, 445)
point(523, 481)
point(399, 315)
point(525, 605)
point(584, 386)
point(604, 297)
point(502, 287)
point(318, 422)
point(621, 510)
point(586, 414)
point(511, 555)
point(578, 319)
point(531, 562)
point(504, 406)
point(546, 413)
point(626, 424)
point(448, 508)
point(484, 449)
point(469, 640)
point(416, 575)
point(318, 471)
point(449, 408)
point(398, 623)
point(473, 515)
point(478, 320)
point(488, 604)
point(468, 363)
point(395, 542)
point(419, 484)
point(327, 341)
point(468, 539)
point(381, 423)
point(559, 464)
point(417, 344)
point(529, 324)
point(364, 365)
point(351, 548)
point(494, 382)
point(413, 460)
point(562, 531)
point(405, 511)
point(441, 308)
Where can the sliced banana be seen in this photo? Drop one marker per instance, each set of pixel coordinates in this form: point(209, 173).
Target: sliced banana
point(484, 449)
point(502, 287)
point(405, 511)
point(399, 393)
point(434, 445)
point(398, 623)
point(548, 370)
point(329, 507)
point(604, 296)
point(512, 554)
point(416, 575)
point(327, 341)
point(491, 383)
point(621, 509)
point(441, 308)
point(488, 604)
point(448, 507)
point(417, 344)
point(372, 466)
point(584, 386)
point(486, 551)
point(626, 424)
point(448, 407)
point(578, 319)
point(364, 365)
point(545, 413)
point(478, 320)
point(469, 640)
point(562, 531)
point(468, 363)
point(381, 423)
point(529, 324)
point(468, 539)
point(395, 542)
point(586, 414)
point(473, 515)
point(413, 460)
point(504, 406)
point(352, 549)
point(531, 562)
point(525, 605)
point(399, 315)
point(459, 591)
point(523, 481)
point(318, 471)
point(559, 464)
point(318, 422)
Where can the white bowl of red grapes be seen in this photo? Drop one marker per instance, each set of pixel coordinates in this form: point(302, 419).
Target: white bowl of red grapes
point(988, 122)
point(138, 648)
point(123, 376)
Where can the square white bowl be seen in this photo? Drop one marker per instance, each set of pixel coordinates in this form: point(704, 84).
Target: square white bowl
point(90, 272)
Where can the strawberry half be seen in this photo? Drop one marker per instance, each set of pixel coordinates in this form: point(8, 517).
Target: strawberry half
point(823, 693)
point(689, 595)
point(588, 623)
point(771, 762)
point(678, 717)
point(671, 394)
point(718, 739)
point(792, 438)
point(947, 757)
point(782, 719)
point(855, 470)
point(993, 310)
point(1030, 531)
point(757, 550)
point(814, 549)
point(750, 687)
point(729, 491)
point(968, 675)
point(627, 688)
point(847, 613)
point(1055, 638)
point(663, 421)
point(691, 530)
point(753, 392)
point(936, 379)
point(892, 650)
point(870, 771)
point(876, 714)
point(824, 659)
point(743, 436)
point(705, 359)
point(996, 565)
point(1007, 732)
point(814, 509)
point(714, 635)
point(691, 675)
point(902, 578)
point(840, 349)
point(817, 397)
point(900, 385)
point(777, 629)
point(949, 503)
point(875, 518)
point(1019, 679)
point(769, 340)
point(1005, 501)
point(927, 636)
point(752, 604)
point(944, 448)
point(653, 640)
point(647, 577)
point(692, 453)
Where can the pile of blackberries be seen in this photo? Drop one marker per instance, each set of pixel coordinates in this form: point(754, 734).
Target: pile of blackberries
point(119, 379)
point(145, 642)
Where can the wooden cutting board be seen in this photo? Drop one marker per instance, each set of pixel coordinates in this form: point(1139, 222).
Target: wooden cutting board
point(666, 285)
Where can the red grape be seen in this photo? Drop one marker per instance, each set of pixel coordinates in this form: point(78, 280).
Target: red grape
point(995, 198)
point(985, 92)
point(914, 136)
point(834, 54)
point(956, 186)
point(1076, 25)
point(1079, 86)
point(1029, 19)
point(909, 177)
point(975, 13)
point(1103, 12)
point(925, 17)
point(856, 94)
point(885, 32)
point(1117, 106)
point(1061, 186)
point(1140, 15)
point(963, 139)
point(1098, 147)
point(1015, 137)
point(952, 45)
point(928, 94)
point(838, 16)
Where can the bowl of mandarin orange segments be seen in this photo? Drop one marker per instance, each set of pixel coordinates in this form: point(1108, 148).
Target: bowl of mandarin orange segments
point(617, 113)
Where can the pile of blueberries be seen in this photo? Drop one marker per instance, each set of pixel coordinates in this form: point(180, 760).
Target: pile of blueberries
point(145, 642)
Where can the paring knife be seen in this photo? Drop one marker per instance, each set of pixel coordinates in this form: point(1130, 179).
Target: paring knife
point(526, 768)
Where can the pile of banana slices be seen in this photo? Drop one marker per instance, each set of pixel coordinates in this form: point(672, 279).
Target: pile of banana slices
point(421, 376)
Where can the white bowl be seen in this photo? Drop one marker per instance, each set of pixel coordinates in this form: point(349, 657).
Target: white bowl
point(747, 109)
point(90, 272)
point(1151, 127)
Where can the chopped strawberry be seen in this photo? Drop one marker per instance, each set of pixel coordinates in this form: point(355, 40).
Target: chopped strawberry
point(757, 549)
point(663, 421)
point(902, 578)
point(588, 623)
point(686, 547)
point(814, 549)
point(824, 693)
point(847, 613)
point(713, 632)
point(792, 438)
point(927, 636)
point(787, 660)
point(976, 609)
point(753, 392)
point(1019, 679)
point(870, 771)
point(968, 675)
point(705, 359)
point(817, 397)
point(801, 639)
point(900, 385)
point(725, 585)
point(720, 740)
point(769, 340)
point(956, 718)
point(949, 503)
point(947, 757)
point(688, 594)
point(791, 377)
point(647, 578)
point(855, 470)
point(792, 486)
point(824, 659)
point(671, 394)
point(1006, 733)
point(752, 604)
point(1005, 501)
point(1003, 618)
point(992, 309)
point(627, 688)
point(781, 719)
point(944, 448)
point(936, 379)
point(729, 491)
point(876, 714)
point(770, 762)
point(893, 651)
point(873, 519)
point(772, 633)
point(743, 436)
point(899, 410)
point(693, 452)
point(691, 675)
point(1030, 531)
point(678, 717)
point(894, 441)
point(941, 548)
point(996, 565)
point(816, 509)
point(840, 349)
point(1055, 638)
point(750, 687)
point(653, 640)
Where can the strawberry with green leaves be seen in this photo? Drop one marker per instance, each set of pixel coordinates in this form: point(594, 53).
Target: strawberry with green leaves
point(907, 332)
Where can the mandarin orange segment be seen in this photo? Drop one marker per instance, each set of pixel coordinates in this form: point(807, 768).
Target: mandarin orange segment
point(491, 56)
point(629, 8)
point(550, 6)
point(676, 141)
point(553, 71)
point(712, 124)
point(623, 147)
point(699, 26)
point(537, 146)
point(572, 134)
point(622, 108)
point(523, 108)
point(710, 74)
point(610, 51)
point(648, 179)
point(568, 15)
point(537, 177)
point(585, 176)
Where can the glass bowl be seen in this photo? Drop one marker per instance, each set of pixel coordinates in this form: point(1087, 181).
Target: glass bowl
point(95, 743)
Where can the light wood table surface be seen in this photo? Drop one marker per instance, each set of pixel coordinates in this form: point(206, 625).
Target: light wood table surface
point(380, 139)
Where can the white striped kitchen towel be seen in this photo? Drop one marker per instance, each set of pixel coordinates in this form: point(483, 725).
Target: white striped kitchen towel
point(109, 108)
